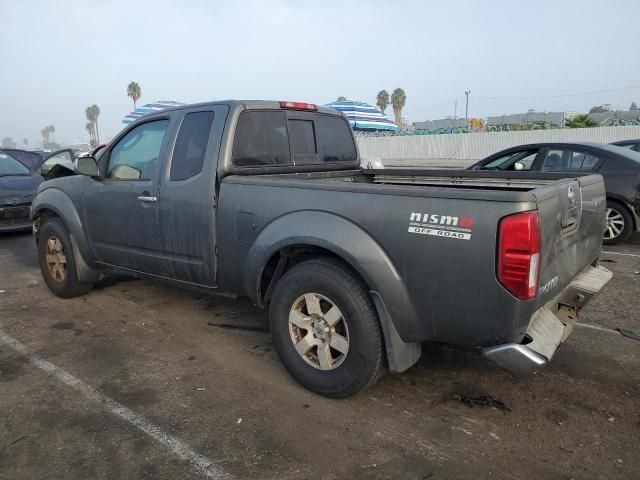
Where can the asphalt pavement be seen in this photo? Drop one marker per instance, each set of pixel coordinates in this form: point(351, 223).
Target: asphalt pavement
point(141, 380)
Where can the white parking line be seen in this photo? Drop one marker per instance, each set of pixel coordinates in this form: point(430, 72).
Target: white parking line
point(624, 254)
point(176, 446)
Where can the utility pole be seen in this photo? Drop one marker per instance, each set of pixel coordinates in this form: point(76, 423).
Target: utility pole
point(466, 108)
point(455, 109)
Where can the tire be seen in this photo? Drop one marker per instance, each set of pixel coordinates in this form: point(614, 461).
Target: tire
point(319, 285)
point(619, 223)
point(57, 261)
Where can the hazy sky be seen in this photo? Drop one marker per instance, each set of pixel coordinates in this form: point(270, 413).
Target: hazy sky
point(58, 57)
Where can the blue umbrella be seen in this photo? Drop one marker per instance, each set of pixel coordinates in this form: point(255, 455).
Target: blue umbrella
point(149, 108)
point(363, 116)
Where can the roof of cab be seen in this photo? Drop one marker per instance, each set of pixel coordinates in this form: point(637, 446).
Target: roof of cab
point(245, 105)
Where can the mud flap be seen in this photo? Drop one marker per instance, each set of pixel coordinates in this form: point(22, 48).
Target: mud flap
point(401, 355)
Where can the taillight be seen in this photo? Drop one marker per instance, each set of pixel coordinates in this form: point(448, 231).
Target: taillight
point(519, 254)
point(299, 106)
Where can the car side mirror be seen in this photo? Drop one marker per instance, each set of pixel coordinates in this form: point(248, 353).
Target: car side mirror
point(87, 166)
point(518, 166)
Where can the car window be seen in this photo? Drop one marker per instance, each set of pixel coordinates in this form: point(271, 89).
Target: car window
point(191, 144)
point(335, 142)
point(523, 159)
point(261, 139)
point(11, 166)
point(303, 141)
point(589, 162)
point(557, 160)
point(135, 156)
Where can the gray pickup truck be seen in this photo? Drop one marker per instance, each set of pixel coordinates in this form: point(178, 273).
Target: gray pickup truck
point(357, 268)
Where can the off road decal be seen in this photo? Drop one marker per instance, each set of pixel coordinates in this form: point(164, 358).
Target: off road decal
point(439, 225)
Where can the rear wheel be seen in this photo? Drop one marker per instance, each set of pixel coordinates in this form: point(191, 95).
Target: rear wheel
point(325, 329)
point(619, 223)
point(57, 261)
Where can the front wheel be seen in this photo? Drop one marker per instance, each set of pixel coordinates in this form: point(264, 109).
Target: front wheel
point(325, 329)
point(619, 223)
point(57, 261)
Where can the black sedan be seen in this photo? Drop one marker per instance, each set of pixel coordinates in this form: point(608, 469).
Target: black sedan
point(619, 166)
point(18, 185)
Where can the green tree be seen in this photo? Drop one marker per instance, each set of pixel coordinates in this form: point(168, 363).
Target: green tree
point(25, 142)
point(382, 100)
point(633, 107)
point(7, 142)
point(581, 120)
point(599, 109)
point(398, 99)
point(135, 92)
point(341, 99)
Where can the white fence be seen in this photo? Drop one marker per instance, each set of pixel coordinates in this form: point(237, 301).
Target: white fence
point(463, 149)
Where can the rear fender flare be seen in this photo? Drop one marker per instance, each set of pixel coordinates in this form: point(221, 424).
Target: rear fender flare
point(347, 241)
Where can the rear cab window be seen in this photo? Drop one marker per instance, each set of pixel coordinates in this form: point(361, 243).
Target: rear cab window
point(280, 138)
point(191, 145)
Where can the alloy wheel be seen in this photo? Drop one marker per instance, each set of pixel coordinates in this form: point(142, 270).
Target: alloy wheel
point(615, 224)
point(318, 331)
point(56, 259)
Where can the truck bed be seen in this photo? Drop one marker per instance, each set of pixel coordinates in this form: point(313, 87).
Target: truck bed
point(383, 205)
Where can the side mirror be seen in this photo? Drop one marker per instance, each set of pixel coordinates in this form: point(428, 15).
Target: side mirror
point(518, 166)
point(87, 166)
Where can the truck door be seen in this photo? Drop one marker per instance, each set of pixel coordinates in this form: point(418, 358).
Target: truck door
point(121, 210)
point(187, 197)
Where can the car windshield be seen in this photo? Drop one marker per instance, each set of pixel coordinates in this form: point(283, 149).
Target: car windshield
point(11, 166)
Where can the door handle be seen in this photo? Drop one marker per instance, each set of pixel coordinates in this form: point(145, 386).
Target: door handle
point(146, 199)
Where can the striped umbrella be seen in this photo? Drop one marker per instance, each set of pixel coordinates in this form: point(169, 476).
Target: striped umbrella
point(363, 116)
point(149, 108)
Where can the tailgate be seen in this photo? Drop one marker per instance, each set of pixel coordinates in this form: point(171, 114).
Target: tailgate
point(572, 220)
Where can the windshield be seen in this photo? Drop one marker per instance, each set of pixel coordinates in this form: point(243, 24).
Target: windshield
point(11, 166)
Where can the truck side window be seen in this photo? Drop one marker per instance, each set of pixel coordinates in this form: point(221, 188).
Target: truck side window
point(135, 156)
point(334, 139)
point(188, 154)
point(261, 139)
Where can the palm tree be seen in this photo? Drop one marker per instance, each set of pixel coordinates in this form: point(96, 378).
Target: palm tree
point(135, 92)
point(581, 120)
point(91, 130)
point(51, 130)
point(92, 113)
point(383, 100)
point(398, 99)
point(45, 135)
point(96, 114)
point(341, 99)
point(25, 142)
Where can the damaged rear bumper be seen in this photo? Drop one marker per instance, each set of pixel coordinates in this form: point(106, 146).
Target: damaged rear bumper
point(550, 325)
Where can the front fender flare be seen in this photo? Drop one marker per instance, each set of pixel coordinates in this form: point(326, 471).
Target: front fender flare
point(59, 202)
